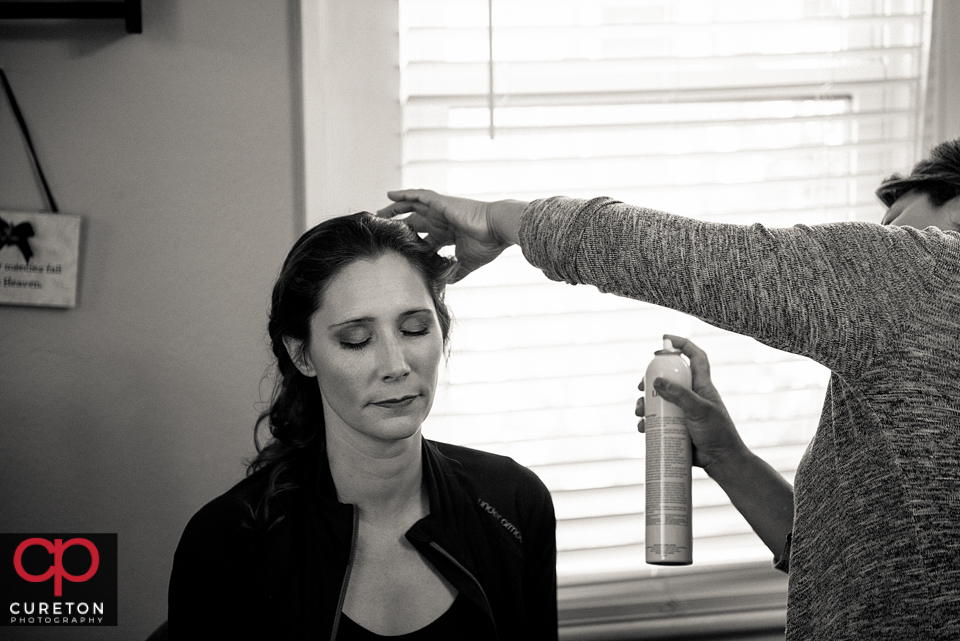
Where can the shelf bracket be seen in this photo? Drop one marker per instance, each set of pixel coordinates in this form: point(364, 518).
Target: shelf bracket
point(126, 10)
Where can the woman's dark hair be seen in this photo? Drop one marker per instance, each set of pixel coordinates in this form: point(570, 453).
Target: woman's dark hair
point(938, 176)
point(295, 414)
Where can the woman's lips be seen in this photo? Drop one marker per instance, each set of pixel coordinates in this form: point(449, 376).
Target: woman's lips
point(394, 403)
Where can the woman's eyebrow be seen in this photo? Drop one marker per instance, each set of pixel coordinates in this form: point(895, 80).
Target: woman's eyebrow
point(414, 312)
point(364, 319)
point(370, 319)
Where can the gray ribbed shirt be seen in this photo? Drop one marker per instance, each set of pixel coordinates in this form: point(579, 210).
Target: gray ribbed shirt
point(876, 538)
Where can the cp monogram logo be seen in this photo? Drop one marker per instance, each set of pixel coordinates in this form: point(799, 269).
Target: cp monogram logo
point(56, 570)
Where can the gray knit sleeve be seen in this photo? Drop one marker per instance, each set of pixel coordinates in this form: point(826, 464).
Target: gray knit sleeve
point(836, 293)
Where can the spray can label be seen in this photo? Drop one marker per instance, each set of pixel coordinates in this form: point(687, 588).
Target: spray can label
point(669, 536)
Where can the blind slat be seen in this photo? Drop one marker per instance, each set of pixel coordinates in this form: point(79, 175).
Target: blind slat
point(506, 129)
point(420, 31)
point(673, 194)
point(547, 13)
point(865, 89)
point(621, 148)
point(710, 73)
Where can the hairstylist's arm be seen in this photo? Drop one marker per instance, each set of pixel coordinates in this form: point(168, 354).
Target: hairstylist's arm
point(480, 230)
point(759, 493)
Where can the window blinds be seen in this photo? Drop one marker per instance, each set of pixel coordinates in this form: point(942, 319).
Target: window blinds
point(734, 111)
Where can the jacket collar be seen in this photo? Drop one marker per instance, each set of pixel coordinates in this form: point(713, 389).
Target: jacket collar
point(449, 503)
point(452, 521)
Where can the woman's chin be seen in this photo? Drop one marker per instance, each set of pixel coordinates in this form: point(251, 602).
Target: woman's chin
point(394, 429)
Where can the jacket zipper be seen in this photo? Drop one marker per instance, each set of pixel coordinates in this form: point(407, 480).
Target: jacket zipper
point(436, 546)
point(346, 575)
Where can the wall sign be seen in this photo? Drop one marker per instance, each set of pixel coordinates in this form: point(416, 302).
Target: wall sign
point(39, 258)
point(39, 253)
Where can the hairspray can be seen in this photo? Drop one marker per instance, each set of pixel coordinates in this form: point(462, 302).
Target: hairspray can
point(669, 461)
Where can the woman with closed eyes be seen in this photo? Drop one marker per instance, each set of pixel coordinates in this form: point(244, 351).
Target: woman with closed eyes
point(350, 524)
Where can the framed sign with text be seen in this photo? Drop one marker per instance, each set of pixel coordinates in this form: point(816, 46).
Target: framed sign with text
point(39, 257)
point(39, 253)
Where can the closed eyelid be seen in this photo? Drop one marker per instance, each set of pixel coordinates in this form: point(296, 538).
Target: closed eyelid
point(362, 330)
point(416, 330)
point(353, 334)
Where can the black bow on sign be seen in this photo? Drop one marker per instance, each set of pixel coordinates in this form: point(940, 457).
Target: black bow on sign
point(16, 235)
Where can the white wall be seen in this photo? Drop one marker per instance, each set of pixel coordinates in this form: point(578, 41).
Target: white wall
point(352, 121)
point(180, 147)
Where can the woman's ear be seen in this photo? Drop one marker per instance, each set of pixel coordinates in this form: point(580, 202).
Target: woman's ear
point(298, 356)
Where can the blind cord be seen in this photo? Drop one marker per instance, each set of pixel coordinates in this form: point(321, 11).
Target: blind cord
point(490, 63)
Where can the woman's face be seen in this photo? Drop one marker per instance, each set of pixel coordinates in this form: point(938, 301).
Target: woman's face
point(375, 349)
point(914, 209)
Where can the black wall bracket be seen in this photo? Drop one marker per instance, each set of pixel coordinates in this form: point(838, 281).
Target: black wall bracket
point(126, 10)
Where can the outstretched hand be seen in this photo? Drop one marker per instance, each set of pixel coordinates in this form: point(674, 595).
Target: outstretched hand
point(712, 432)
point(480, 231)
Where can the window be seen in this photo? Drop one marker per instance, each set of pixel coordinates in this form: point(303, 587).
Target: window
point(733, 111)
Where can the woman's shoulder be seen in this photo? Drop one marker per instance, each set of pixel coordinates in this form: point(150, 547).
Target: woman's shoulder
point(479, 460)
point(218, 566)
point(234, 511)
point(507, 496)
point(490, 470)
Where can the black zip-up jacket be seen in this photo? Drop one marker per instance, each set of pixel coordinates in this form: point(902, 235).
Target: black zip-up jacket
point(491, 532)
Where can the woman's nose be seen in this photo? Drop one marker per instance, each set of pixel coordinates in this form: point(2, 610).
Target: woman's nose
point(393, 360)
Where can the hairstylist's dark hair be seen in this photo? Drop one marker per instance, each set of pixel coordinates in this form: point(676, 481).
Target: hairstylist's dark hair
point(938, 176)
point(295, 413)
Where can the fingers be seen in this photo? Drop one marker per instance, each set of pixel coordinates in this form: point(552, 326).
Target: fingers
point(403, 197)
point(699, 363)
point(419, 213)
point(427, 207)
point(419, 195)
point(420, 202)
point(701, 404)
point(438, 233)
point(686, 399)
point(690, 349)
point(639, 412)
point(680, 396)
point(395, 209)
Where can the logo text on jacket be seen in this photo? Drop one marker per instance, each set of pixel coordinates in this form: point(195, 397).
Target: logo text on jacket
point(492, 511)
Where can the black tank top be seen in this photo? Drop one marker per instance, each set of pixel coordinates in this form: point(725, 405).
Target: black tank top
point(462, 621)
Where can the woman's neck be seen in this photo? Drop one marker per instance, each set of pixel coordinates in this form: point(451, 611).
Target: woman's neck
point(383, 479)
